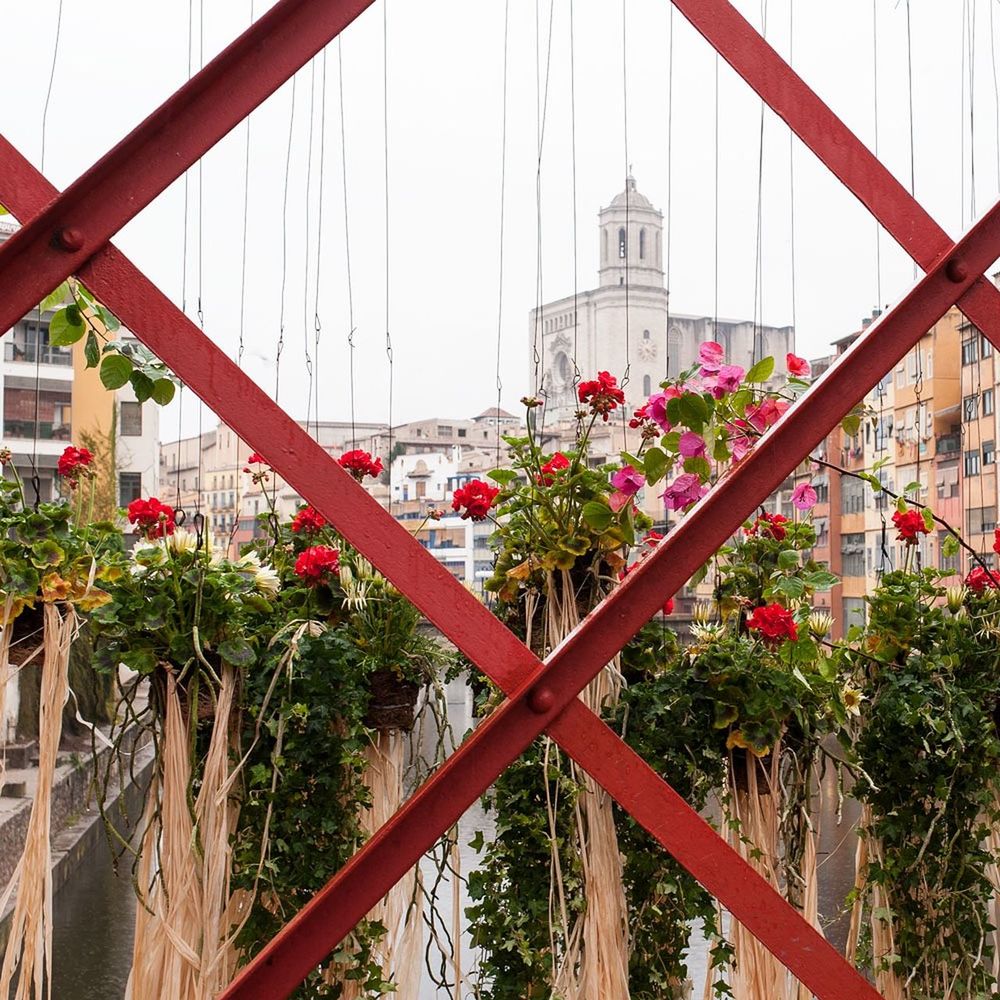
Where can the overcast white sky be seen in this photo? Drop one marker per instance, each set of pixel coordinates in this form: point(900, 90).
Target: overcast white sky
point(118, 59)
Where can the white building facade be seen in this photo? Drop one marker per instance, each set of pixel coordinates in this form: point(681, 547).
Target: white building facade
point(625, 324)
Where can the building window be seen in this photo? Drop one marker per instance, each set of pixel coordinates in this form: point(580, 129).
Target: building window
point(445, 430)
point(461, 432)
point(852, 554)
point(987, 402)
point(131, 419)
point(970, 407)
point(970, 350)
point(852, 495)
point(129, 487)
point(622, 245)
point(642, 244)
point(981, 520)
point(854, 611)
point(989, 453)
point(985, 347)
point(647, 385)
point(645, 334)
point(972, 463)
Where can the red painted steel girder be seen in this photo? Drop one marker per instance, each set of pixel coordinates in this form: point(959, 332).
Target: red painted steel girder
point(168, 332)
point(56, 241)
point(851, 162)
point(538, 702)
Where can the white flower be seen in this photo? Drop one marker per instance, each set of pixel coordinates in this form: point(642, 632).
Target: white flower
point(182, 542)
point(852, 698)
point(820, 624)
point(704, 612)
point(267, 580)
point(955, 596)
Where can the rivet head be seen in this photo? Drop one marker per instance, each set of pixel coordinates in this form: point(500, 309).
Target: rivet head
point(70, 240)
point(956, 270)
point(541, 700)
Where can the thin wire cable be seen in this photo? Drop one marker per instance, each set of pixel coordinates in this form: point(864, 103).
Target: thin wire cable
point(972, 110)
point(757, 348)
point(628, 200)
point(670, 180)
point(961, 114)
point(572, 118)
point(36, 483)
point(308, 204)
point(317, 322)
point(503, 204)
point(280, 345)
point(347, 243)
point(385, 138)
point(996, 89)
point(878, 227)
point(715, 315)
point(203, 526)
point(791, 175)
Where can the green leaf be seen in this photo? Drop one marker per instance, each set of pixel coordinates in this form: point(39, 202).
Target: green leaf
point(674, 410)
point(141, 660)
point(62, 330)
point(55, 298)
point(92, 350)
point(655, 465)
point(237, 651)
point(949, 547)
point(851, 424)
point(47, 553)
point(912, 487)
point(761, 371)
point(821, 580)
point(699, 466)
point(109, 319)
point(801, 677)
point(671, 441)
point(598, 515)
point(902, 506)
point(788, 559)
point(790, 586)
point(928, 519)
point(164, 389)
point(115, 371)
point(476, 843)
point(741, 399)
point(502, 476)
point(142, 385)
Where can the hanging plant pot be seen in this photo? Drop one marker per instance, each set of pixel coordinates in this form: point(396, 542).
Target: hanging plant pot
point(393, 701)
point(746, 770)
point(27, 635)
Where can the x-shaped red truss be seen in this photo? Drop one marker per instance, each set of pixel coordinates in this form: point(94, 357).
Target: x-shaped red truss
point(70, 234)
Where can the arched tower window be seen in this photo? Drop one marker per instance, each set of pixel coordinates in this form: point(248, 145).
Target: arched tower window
point(659, 261)
point(647, 385)
point(642, 244)
point(645, 334)
point(622, 245)
point(604, 245)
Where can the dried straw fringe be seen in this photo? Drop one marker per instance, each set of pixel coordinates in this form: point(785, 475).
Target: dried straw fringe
point(181, 947)
point(29, 947)
point(400, 953)
point(595, 958)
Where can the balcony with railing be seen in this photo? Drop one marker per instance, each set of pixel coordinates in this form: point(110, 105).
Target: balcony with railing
point(30, 352)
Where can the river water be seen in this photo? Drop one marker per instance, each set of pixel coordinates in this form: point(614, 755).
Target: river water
point(94, 911)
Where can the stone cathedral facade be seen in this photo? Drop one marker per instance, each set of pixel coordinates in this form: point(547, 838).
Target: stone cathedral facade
point(625, 322)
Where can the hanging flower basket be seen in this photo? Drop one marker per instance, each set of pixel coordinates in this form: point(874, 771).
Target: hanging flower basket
point(742, 763)
point(393, 701)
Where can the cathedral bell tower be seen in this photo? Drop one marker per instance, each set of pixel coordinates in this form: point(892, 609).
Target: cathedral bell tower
point(631, 240)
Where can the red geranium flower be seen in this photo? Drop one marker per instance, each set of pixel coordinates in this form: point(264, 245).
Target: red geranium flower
point(555, 464)
point(996, 540)
point(979, 579)
point(668, 607)
point(602, 393)
point(308, 520)
point(909, 523)
point(360, 464)
point(774, 623)
point(72, 462)
point(770, 526)
point(316, 564)
point(152, 518)
point(476, 497)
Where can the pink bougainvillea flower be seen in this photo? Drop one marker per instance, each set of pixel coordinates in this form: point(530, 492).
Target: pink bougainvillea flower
point(628, 480)
point(766, 413)
point(804, 497)
point(774, 623)
point(685, 490)
point(797, 367)
point(692, 445)
point(726, 380)
point(657, 407)
point(740, 440)
point(476, 497)
point(711, 356)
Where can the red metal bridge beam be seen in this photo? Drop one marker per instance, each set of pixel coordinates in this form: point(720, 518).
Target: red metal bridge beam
point(56, 241)
point(851, 162)
point(667, 817)
point(538, 702)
